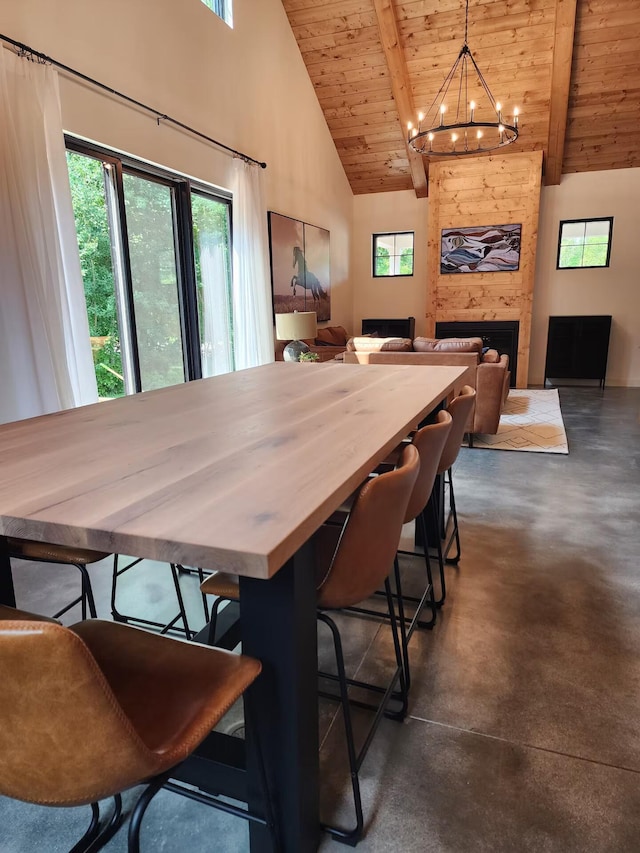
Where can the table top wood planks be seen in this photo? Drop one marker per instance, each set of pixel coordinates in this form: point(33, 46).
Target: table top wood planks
point(232, 472)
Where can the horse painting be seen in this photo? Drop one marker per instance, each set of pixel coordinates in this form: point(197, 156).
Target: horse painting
point(305, 278)
point(300, 266)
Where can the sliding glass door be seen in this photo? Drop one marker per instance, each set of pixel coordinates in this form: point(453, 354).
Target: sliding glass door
point(155, 256)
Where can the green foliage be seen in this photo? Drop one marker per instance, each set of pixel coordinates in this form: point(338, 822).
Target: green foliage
point(406, 262)
point(382, 261)
point(590, 252)
point(150, 228)
point(89, 207)
point(309, 356)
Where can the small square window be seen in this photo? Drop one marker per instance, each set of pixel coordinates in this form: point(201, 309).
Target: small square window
point(393, 254)
point(222, 8)
point(584, 243)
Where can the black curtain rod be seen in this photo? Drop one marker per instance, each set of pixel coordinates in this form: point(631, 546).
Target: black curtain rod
point(28, 52)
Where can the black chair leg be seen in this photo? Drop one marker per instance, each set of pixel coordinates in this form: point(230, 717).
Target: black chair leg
point(401, 660)
point(183, 613)
point(135, 822)
point(438, 602)
point(351, 836)
point(211, 636)
point(404, 636)
point(455, 533)
point(87, 593)
point(205, 606)
point(110, 829)
point(92, 830)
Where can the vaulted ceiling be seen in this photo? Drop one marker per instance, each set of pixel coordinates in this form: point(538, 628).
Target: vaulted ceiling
point(569, 65)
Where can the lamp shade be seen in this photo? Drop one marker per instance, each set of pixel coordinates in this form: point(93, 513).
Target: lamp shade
point(296, 325)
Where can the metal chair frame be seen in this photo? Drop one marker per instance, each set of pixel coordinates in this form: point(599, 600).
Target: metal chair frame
point(138, 620)
point(352, 836)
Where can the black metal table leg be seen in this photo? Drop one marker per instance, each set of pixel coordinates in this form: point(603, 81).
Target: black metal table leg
point(7, 593)
point(279, 628)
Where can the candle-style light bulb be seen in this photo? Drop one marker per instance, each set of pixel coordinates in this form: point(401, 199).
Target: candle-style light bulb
point(430, 142)
point(479, 137)
point(454, 137)
point(420, 117)
point(442, 112)
point(472, 107)
point(414, 132)
point(409, 126)
point(500, 131)
point(499, 110)
point(516, 113)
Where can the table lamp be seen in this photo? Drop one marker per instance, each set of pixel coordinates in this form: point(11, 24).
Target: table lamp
point(294, 326)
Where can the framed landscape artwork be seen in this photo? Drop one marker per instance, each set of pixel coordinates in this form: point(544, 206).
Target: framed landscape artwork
point(486, 248)
point(300, 266)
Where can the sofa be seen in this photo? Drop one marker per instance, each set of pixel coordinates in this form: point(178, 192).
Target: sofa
point(487, 370)
point(328, 343)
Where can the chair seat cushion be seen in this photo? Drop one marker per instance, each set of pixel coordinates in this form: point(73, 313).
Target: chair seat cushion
point(172, 691)
point(23, 615)
point(28, 549)
point(222, 584)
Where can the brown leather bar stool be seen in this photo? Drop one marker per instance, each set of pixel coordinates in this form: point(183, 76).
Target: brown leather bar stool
point(44, 552)
point(429, 442)
point(351, 563)
point(460, 409)
point(90, 711)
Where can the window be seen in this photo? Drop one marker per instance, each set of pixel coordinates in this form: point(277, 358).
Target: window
point(222, 8)
point(155, 258)
point(393, 254)
point(584, 243)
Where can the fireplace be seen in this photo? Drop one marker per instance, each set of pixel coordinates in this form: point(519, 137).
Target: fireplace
point(497, 334)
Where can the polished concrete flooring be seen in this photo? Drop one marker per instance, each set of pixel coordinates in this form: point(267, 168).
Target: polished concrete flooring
point(523, 731)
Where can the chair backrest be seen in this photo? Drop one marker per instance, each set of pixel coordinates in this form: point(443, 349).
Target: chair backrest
point(459, 409)
point(366, 550)
point(64, 739)
point(429, 442)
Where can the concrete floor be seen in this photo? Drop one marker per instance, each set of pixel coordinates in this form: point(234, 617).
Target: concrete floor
point(523, 732)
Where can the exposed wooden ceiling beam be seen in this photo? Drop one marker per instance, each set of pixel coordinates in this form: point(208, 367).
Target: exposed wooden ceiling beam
point(560, 86)
point(401, 87)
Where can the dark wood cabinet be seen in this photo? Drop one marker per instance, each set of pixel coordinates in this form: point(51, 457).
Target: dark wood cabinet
point(578, 347)
point(404, 327)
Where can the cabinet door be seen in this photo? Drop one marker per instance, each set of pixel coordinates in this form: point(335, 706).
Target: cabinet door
point(592, 347)
point(561, 347)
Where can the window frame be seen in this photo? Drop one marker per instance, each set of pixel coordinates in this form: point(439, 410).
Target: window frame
point(585, 221)
point(181, 187)
point(394, 234)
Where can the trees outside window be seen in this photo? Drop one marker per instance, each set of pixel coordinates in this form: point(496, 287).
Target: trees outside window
point(393, 254)
point(155, 257)
point(584, 243)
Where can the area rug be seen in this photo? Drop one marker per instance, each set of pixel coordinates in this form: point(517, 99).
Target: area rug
point(531, 420)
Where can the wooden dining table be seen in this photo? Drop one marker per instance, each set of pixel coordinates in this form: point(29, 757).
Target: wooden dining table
point(235, 472)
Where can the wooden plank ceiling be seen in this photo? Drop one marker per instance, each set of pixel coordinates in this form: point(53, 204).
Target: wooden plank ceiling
point(373, 63)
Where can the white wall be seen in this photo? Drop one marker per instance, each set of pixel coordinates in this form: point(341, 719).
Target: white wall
point(247, 87)
point(389, 297)
point(614, 290)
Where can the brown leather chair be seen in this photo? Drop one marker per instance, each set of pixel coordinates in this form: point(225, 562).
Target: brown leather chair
point(89, 711)
point(44, 552)
point(429, 442)
point(352, 562)
point(460, 409)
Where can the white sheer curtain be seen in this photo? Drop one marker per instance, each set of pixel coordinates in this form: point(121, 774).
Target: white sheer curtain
point(217, 351)
point(252, 314)
point(45, 352)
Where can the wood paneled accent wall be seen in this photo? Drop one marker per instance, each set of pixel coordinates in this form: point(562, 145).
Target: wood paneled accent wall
point(497, 190)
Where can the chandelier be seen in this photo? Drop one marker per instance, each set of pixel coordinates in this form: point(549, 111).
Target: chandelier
point(465, 133)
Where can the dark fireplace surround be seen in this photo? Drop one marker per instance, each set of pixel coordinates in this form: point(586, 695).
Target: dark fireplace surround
point(497, 334)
